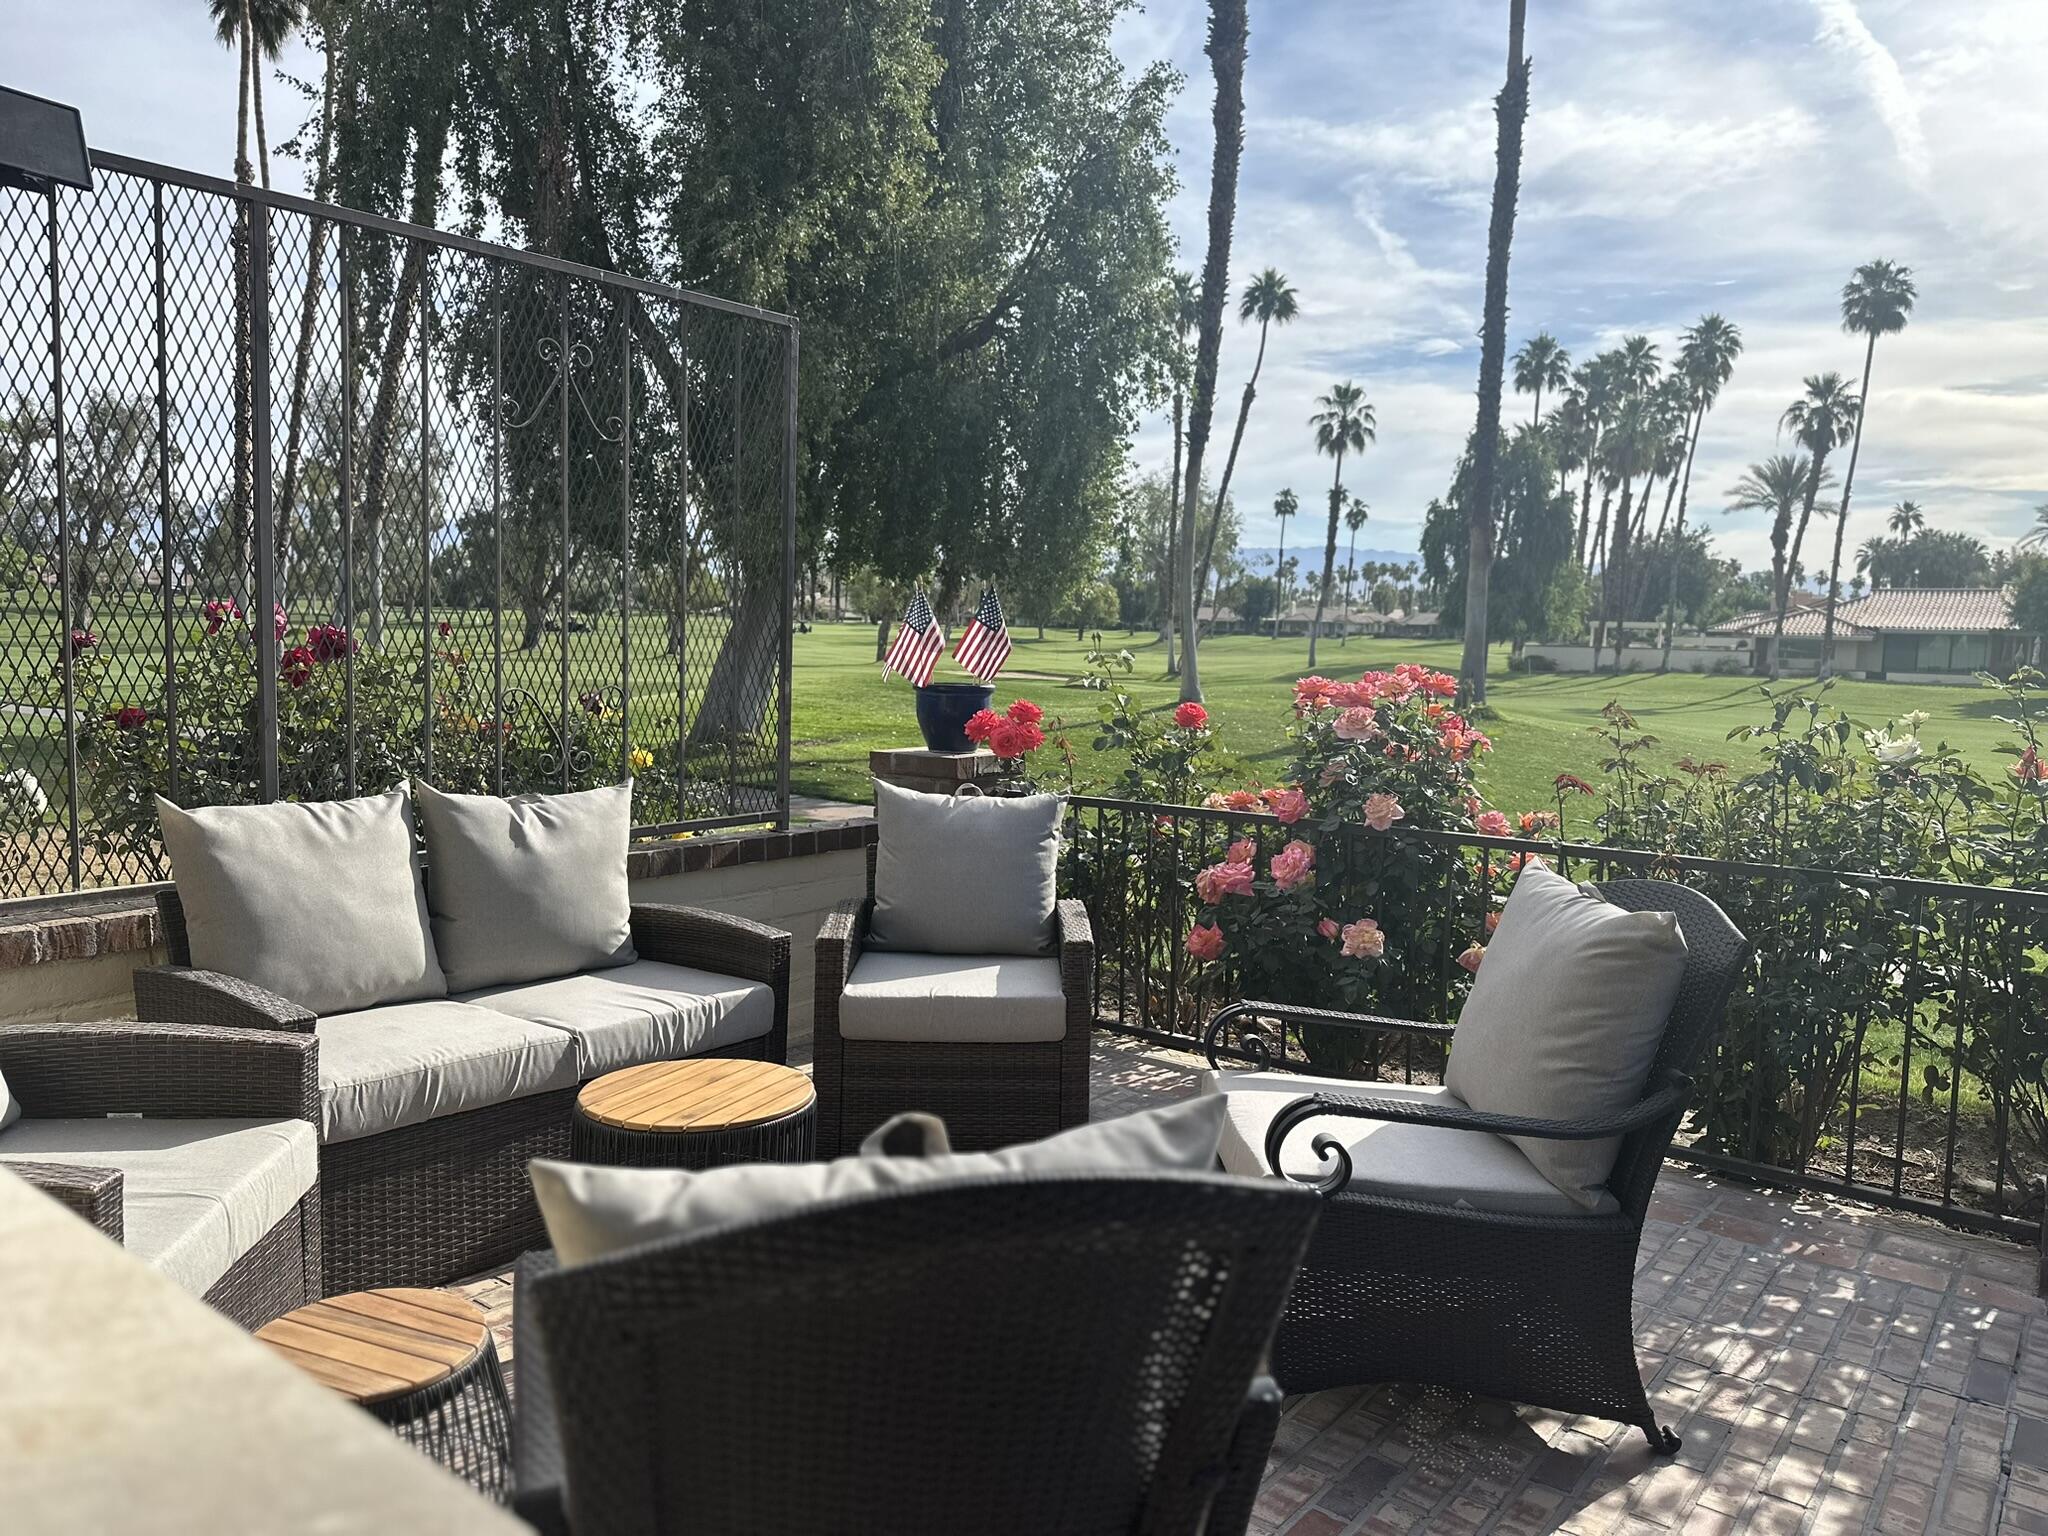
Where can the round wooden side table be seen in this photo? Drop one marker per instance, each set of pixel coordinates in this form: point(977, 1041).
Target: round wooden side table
point(421, 1361)
point(701, 1113)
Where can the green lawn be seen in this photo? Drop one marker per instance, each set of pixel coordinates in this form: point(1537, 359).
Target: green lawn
point(1540, 724)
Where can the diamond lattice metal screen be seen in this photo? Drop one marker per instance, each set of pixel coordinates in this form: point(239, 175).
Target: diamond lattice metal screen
point(297, 501)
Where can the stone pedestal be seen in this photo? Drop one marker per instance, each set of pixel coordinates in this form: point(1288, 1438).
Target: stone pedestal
point(934, 773)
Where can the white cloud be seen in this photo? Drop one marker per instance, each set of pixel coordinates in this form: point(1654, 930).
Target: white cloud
point(1843, 30)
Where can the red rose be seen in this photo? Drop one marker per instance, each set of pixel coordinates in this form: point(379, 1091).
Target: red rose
point(1024, 712)
point(981, 725)
point(329, 642)
point(296, 666)
point(130, 717)
point(444, 629)
point(1191, 716)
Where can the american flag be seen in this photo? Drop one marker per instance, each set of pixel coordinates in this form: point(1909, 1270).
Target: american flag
point(985, 642)
point(919, 639)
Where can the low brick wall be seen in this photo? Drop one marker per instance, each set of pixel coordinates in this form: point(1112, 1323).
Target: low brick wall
point(72, 959)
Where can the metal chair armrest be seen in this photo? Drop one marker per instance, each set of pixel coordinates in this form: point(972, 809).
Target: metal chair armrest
point(1260, 1054)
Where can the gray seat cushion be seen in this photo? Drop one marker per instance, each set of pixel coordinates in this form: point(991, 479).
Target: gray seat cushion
point(894, 996)
point(527, 886)
point(322, 903)
point(195, 1194)
point(406, 1063)
point(964, 875)
point(1565, 1017)
point(1474, 1170)
point(593, 1211)
point(646, 1011)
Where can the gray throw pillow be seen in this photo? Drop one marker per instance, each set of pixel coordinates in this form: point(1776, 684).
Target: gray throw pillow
point(321, 902)
point(965, 874)
point(1565, 1017)
point(10, 1111)
point(530, 886)
point(592, 1211)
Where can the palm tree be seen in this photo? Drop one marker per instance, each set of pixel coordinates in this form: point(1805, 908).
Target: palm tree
point(1227, 28)
point(1345, 424)
point(1354, 519)
point(258, 29)
point(1706, 360)
point(1822, 419)
point(1285, 505)
point(1876, 301)
point(1779, 485)
point(1630, 447)
point(1184, 304)
point(1269, 300)
point(2037, 536)
point(1907, 519)
point(1541, 364)
point(1590, 403)
point(1510, 112)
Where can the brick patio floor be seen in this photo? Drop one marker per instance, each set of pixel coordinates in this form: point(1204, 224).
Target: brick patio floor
point(1831, 1370)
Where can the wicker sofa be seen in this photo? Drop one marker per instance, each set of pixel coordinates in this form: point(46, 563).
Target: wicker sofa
point(194, 1146)
point(429, 1112)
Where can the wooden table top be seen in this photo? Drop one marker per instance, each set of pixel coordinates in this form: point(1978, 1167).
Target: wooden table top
point(698, 1095)
point(374, 1345)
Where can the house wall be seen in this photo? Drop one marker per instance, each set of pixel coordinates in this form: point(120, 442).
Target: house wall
point(78, 964)
point(1643, 656)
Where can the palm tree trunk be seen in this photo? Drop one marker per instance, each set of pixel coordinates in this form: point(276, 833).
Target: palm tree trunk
point(1511, 107)
point(1244, 411)
point(1226, 48)
point(256, 92)
point(1791, 564)
point(1614, 576)
point(1350, 574)
point(1827, 644)
point(1280, 581)
point(1586, 498)
point(1329, 558)
point(1677, 533)
point(242, 167)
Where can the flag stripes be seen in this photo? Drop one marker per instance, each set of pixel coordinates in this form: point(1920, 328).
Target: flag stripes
point(985, 642)
point(919, 640)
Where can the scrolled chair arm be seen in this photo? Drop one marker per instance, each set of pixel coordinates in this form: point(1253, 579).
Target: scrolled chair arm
point(1668, 1097)
point(1262, 1054)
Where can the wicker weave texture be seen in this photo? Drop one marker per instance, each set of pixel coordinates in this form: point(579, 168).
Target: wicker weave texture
point(1077, 1355)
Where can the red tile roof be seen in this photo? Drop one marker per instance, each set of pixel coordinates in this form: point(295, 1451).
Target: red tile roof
point(1892, 610)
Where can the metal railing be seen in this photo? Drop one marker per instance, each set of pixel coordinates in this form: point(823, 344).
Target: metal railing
point(296, 500)
point(1888, 1044)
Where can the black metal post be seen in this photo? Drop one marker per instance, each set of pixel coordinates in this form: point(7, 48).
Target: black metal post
point(345, 494)
point(626, 539)
point(562, 568)
point(167, 532)
point(788, 648)
point(264, 620)
point(426, 515)
point(741, 569)
point(68, 660)
point(497, 534)
point(683, 594)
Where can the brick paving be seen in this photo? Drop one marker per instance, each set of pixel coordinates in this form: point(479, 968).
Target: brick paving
point(1831, 1370)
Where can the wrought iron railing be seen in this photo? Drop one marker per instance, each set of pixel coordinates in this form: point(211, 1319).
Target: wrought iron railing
point(1888, 1044)
point(521, 523)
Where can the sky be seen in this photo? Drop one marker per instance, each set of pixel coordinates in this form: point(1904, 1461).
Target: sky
point(1741, 156)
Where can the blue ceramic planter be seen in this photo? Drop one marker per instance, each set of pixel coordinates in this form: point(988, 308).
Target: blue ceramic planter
point(943, 710)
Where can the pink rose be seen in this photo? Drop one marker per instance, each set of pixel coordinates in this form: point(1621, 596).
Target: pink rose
point(1287, 805)
point(1382, 811)
point(1221, 880)
point(1471, 958)
point(1363, 940)
point(1492, 823)
point(1328, 928)
point(1243, 851)
point(1293, 866)
point(1205, 941)
point(1357, 724)
point(1242, 800)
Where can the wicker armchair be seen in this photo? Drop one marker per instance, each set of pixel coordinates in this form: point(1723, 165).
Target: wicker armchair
point(1532, 1308)
point(174, 1071)
point(1065, 1354)
point(989, 1093)
point(436, 1201)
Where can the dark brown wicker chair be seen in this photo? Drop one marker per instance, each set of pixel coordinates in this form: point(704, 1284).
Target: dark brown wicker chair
point(989, 1093)
point(175, 1071)
point(429, 1203)
point(1535, 1309)
point(1071, 1354)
